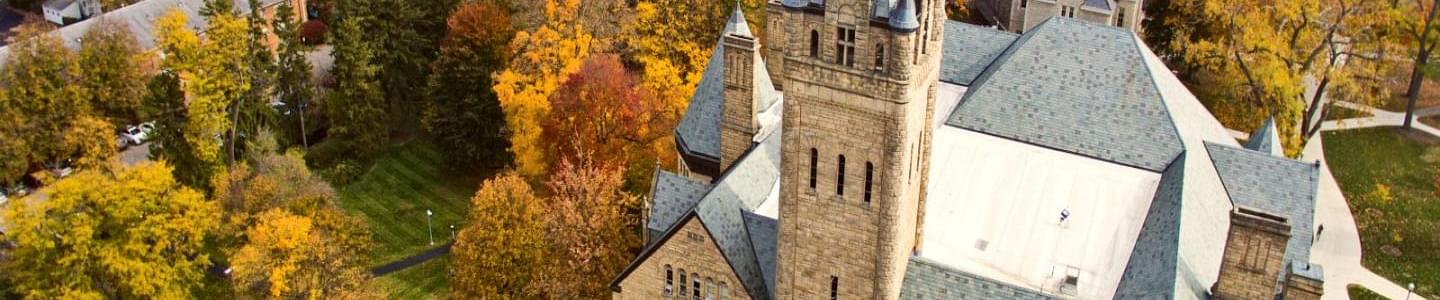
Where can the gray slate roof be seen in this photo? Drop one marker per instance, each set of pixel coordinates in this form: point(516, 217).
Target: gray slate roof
point(1097, 4)
point(57, 4)
point(672, 196)
point(926, 279)
point(1150, 273)
point(969, 49)
point(741, 189)
point(764, 235)
point(1076, 87)
point(140, 18)
point(699, 129)
point(1266, 139)
point(1275, 185)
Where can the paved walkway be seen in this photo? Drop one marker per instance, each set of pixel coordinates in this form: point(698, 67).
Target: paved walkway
point(411, 261)
point(1337, 249)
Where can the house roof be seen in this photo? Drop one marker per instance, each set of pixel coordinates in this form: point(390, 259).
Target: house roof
point(927, 279)
point(140, 18)
point(969, 49)
point(1076, 88)
point(57, 4)
point(764, 235)
point(699, 129)
point(1266, 139)
point(1097, 4)
point(1150, 272)
point(1275, 185)
point(672, 196)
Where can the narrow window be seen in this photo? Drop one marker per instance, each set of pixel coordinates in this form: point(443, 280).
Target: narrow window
point(840, 177)
point(814, 44)
point(813, 160)
point(709, 288)
point(1120, 17)
point(695, 292)
point(682, 283)
point(869, 177)
point(834, 285)
point(1023, 2)
point(845, 46)
point(669, 280)
point(879, 57)
point(724, 291)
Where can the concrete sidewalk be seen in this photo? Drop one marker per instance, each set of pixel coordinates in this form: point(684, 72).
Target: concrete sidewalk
point(1378, 118)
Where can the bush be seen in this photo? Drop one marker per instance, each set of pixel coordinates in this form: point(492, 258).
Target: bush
point(313, 32)
point(327, 153)
point(343, 173)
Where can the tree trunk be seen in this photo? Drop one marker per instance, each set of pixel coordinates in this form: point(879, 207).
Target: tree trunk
point(1413, 93)
point(1310, 114)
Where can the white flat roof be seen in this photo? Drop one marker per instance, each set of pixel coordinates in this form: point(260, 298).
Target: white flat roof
point(994, 208)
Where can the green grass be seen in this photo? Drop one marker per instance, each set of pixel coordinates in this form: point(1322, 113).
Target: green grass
point(1397, 233)
point(395, 191)
point(423, 281)
point(1361, 293)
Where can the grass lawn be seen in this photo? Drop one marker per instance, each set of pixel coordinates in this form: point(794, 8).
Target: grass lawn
point(395, 191)
point(1361, 293)
point(424, 281)
point(1392, 193)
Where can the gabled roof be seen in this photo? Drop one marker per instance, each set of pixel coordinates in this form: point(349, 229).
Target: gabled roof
point(1275, 185)
point(969, 49)
point(1266, 139)
point(1075, 87)
point(672, 196)
point(57, 4)
point(699, 129)
point(1097, 4)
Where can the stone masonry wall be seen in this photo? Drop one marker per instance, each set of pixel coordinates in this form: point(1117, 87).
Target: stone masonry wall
point(1254, 256)
point(738, 124)
point(693, 250)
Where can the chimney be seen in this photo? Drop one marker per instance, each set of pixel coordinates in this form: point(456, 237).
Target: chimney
point(1254, 255)
point(738, 125)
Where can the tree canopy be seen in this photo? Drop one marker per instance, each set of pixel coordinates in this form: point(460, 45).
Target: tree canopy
point(463, 115)
point(497, 252)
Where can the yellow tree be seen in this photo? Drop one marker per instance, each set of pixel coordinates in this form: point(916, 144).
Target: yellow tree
point(591, 229)
point(496, 253)
point(544, 58)
point(133, 232)
point(292, 256)
point(41, 80)
point(212, 75)
point(672, 41)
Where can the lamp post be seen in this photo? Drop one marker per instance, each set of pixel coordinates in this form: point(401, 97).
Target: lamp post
point(1409, 291)
point(452, 233)
point(429, 228)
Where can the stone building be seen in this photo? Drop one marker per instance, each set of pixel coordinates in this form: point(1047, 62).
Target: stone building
point(877, 151)
point(1022, 15)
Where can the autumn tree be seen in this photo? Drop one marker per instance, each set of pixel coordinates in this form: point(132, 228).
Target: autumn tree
point(129, 233)
point(41, 82)
point(603, 112)
point(287, 227)
point(167, 139)
point(496, 253)
point(545, 57)
point(1258, 57)
point(293, 83)
point(110, 61)
point(591, 229)
point(1419, 28)
point(462, 114)
point(212, 74)
point(356, 106)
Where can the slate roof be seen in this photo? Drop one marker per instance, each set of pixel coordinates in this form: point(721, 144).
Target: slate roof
point(927, 279)
point(1074, 87)
point(764, 235)
point(1097, 4)
point(140, 18)
point(969, 49)
point(741, 189)
point(57, 4)
point(1150, 273)
point(1275, 185)
point(1266, 139)
point(672, 196)
point(699, 129)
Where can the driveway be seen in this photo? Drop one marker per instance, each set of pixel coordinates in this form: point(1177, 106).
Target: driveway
point(135, 154)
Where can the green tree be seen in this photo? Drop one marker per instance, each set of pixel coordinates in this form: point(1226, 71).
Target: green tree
point(168, 142)
point(356, 107)
point(110, 60)
point(404, 36)
point(133, 232)
point(496, 252)
point(463, 115)
point(252, 113)
point(41, 84)
point(293, 84)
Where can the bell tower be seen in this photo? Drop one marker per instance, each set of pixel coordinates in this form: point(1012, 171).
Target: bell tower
point(859, 80)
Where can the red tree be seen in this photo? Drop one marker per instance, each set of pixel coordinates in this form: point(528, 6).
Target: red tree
point(602, 112)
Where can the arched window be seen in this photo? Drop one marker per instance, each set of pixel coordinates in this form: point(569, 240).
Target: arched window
point(840, 177)
point(682, 283)
point(879, 57)
point(724, 291)
point(814, 156)
point(869, 178)
point(669, 280)
point(834, 287)
point(814, 43)
point(696, 290)
point(709, 288)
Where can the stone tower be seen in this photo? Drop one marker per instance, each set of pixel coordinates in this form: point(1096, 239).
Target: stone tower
point(1254, 256)
point(859, 79)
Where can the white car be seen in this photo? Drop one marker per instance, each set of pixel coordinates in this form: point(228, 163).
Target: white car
point(135, 135)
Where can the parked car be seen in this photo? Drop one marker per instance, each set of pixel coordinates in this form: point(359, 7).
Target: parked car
point(135, 135)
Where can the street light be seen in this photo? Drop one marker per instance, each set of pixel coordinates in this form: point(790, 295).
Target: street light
point(429, 228)
point(452, 232)
point(1409, 291)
